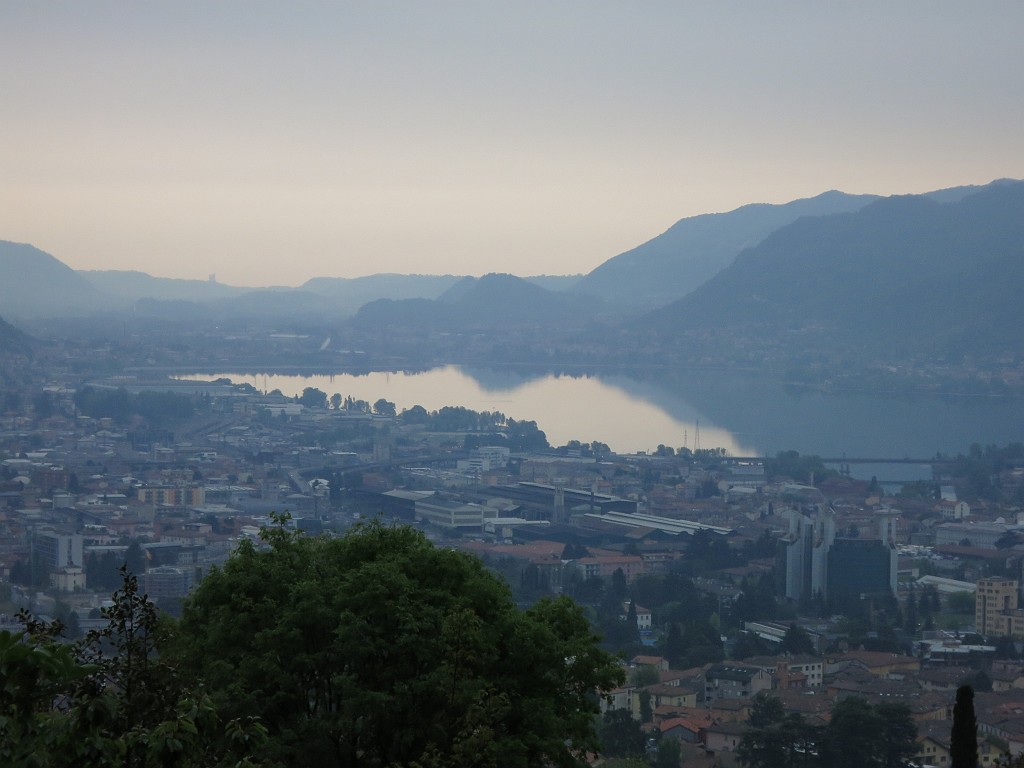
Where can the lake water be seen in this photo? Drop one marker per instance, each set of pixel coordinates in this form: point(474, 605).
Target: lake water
point(746, 414)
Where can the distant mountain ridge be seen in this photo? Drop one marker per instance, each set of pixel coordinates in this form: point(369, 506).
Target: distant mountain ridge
point(682, 261)
point(35, 283)
point(903, 275)
point(493, 301)
point(133, 285)
point(694, 249)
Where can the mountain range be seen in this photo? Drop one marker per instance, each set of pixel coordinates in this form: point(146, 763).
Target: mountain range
point(935, 274)
point(473, 303)
point(903, 275)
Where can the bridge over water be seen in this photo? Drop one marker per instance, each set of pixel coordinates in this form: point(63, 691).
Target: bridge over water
point(856, 460)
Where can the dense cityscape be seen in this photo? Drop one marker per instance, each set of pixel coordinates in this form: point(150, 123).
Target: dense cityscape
point(740, 594)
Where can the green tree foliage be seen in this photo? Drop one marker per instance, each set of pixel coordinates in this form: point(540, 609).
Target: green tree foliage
point(618, 588)
point(766, 710)
point(910, 620)
point(574, 551)
point(158, 408)
point(379, 649)
point(644, 674)
point(1005, 648)
point(920, 489)
point(749, 644)
point(757, 600)
point(104, 403)
point(862, 736)
point(796, 641)
point(312, 397)
point(35, 672)
point(108, 700)
point(703, 644)
point(674, 647)
point(978, 473)
point(707, 551)
point(163, 407)
point(525, 436)
point(631, 617)
point(801, 468)
point(135, 559)
point(963, 737)
point(621, 735)
point(669, 754)
point(415, 415)
point(384, 407)
point(960, 602)
point(783, 741)
point(857, 736)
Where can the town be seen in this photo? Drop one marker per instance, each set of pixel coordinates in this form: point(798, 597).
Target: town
point(720, 581)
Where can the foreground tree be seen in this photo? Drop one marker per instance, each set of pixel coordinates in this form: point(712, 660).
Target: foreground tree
point(963, 738)
point(857, 736)
point(108, 700)
point(378, 648)
point(777, 740)
point(861, 736)
point(621, 735)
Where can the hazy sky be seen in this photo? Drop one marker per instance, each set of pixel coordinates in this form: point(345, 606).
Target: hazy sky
point(272, 142)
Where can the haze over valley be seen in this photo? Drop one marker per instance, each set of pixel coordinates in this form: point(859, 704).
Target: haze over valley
point(512, 384)
point(915, 292)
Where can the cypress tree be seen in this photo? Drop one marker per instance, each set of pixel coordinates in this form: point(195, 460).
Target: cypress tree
point(963, 738)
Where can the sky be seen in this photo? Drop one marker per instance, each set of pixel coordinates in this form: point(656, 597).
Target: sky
point(268, 143)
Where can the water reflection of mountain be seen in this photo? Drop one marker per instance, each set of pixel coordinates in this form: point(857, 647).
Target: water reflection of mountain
point(768, 414)
point(733, 408)
point(503, 378)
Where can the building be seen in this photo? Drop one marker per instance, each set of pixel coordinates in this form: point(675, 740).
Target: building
point(173, 496)
point(732, 680)
point(485, 459)
point(807, 545)
point(451, 514)
point(724, 737)
point(981, 535)
point(661, 695)
point(819, 564)
point(167, 581)
point(996, 611)
point(55, 551)
point(785, 668)
point(70, 578)
point(643, 615)
point(606, 565)
point(556, 503)
point(954, 510)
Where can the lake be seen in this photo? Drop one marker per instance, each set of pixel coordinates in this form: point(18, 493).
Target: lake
point(744, 413)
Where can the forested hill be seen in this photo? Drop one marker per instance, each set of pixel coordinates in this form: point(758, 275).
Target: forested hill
point(35, 283)
point(694, 249)
point(904, 275)
point(12, 339)
point(494, 301)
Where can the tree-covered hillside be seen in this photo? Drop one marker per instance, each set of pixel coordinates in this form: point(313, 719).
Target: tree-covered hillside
point(903, 276)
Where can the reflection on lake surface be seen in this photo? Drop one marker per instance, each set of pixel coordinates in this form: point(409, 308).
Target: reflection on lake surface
point(584, 408)
point(744, 413)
